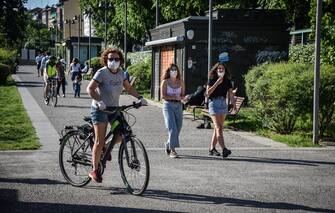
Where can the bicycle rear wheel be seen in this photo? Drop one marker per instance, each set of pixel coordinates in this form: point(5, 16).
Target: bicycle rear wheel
point(134, 166)
point(75, 158)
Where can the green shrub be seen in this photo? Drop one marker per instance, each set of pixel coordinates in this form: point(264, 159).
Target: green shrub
point(7, 57)
point(305, 54)
point(4, 72)
point(136, 57)
point(302, 53)
point(95, 63)
point(142, 72)
point(283, 93)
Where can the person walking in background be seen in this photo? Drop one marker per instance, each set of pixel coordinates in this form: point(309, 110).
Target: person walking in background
point(74, 69)
point(77, 85)
point(86, 68)
point(172, 92)
point(60, 77)
point(218, 85)
point(38, 60)
point(44, 61)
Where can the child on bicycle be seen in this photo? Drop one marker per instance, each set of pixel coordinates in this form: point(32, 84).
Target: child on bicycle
point(77, 85)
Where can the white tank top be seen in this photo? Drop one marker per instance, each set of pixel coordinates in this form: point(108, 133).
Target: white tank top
point(171, 91)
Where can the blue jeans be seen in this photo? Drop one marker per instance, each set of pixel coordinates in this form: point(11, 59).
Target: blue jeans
point(76, 89)
point(173, 116)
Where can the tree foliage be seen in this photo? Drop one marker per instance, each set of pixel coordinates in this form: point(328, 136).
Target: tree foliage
point(37, 35)
point(327, 29)
point(12, 23)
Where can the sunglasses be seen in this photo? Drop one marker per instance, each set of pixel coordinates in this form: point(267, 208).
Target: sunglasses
point(113, 59)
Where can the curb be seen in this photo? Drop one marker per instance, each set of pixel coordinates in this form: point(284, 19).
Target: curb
point(47, 134)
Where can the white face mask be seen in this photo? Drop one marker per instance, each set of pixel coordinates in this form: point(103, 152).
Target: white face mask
point(113, 65)
point(220, 74)
point(173, 73)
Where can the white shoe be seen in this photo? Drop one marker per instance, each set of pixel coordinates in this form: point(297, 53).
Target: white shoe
point(173, 154)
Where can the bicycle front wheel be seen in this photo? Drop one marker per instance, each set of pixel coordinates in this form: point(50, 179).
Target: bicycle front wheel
point(75, 158)
point(54, 98)
point(134, 166)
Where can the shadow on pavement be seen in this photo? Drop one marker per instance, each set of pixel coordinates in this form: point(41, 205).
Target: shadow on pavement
point(74, 106)
point(206, 199)
point(20, 72)
point(31, 181)
point(30, 84)
point(261, 160)
point(9, 203)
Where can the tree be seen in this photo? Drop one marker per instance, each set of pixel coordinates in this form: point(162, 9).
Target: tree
point(327, 29)
point(12, 23)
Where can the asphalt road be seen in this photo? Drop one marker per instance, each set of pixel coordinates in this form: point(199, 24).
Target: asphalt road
point(258, 177)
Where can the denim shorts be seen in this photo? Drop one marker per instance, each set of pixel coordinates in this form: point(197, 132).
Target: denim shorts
point(217, 106)
point(99, 116)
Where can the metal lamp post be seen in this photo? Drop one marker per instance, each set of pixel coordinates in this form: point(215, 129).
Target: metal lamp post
point(125, 36)
point(78, 18)
point(106, 5)
point(88, 12)
point(317, 74)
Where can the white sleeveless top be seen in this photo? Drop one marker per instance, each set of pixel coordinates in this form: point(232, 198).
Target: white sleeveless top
point(172, 91)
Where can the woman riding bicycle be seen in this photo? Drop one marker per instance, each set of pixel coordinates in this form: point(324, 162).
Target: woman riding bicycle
point(105, 89)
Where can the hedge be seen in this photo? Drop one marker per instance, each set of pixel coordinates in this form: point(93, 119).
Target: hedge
point(282, 93)
point(4, 72)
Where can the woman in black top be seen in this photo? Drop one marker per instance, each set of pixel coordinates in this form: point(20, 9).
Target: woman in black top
point(218, 85)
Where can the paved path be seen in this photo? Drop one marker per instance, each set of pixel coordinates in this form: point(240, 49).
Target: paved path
point(261, 176)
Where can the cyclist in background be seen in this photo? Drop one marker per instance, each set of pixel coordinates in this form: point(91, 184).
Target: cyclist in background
point(50, 71)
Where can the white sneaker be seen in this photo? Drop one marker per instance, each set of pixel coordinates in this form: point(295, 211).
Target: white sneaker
point(173, 154)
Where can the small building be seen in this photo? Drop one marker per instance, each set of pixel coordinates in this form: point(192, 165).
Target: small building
point(249, 36)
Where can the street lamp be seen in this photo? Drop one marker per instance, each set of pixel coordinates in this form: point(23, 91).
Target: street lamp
point(78, 18)
point(106, 6)
point(125, 36)
point(69, 22)
point(89, 12)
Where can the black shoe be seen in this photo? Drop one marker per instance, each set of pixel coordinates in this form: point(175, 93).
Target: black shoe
point(214, 152)
point(208, 126)
point(201, 126)
point(167, 151)
point(226, 152)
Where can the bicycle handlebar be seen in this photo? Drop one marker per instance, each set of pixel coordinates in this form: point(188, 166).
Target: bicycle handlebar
point(123, 107)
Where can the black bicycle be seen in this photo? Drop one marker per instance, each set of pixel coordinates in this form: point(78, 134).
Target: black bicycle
point(75, 154)
point(52, 93)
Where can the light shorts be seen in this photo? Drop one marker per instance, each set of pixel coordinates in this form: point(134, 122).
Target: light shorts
point(217, 106)
point(99, 116)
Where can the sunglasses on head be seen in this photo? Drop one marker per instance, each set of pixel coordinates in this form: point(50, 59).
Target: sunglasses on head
point(113, 59)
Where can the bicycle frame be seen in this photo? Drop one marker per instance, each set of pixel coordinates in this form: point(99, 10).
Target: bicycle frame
point(119, 126)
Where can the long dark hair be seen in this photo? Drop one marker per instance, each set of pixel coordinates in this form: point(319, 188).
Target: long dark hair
point(166, 73)
point(214, 73)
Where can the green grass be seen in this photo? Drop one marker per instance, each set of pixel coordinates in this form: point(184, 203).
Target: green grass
point(16, 130)
point(246, 121)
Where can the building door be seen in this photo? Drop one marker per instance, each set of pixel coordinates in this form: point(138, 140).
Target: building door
point(167, 57)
